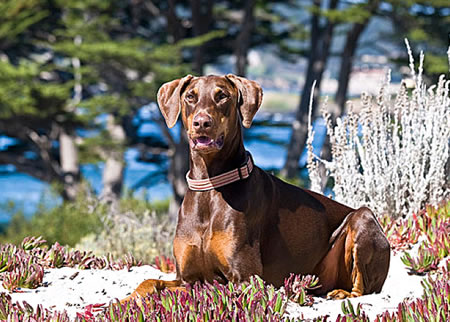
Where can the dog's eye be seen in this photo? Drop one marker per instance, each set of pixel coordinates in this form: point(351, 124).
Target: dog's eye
point(222, 96)
point(190, 96)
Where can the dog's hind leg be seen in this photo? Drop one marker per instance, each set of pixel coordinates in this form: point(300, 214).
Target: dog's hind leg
point(366, 256)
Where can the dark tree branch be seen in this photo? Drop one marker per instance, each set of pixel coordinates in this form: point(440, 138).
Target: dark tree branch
point(16, 127)
point(167, 134)
point(44, 146)
point(34, 168)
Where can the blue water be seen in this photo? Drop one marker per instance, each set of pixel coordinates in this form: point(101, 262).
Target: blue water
point(267, 144)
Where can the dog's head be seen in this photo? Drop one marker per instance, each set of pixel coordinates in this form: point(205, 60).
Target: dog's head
point(210, 107)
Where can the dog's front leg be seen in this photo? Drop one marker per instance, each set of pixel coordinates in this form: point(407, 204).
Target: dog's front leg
point(243, 264)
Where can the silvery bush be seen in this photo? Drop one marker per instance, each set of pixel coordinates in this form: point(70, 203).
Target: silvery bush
point(390, 156)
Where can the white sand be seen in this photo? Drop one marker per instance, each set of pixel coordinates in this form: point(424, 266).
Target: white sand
point(399, 285)
point(60, 292)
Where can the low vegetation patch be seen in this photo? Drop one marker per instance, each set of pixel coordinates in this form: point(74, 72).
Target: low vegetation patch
point(430, 229)
point(66, 223)
point(252, 301)
point(433, 306)
point(22, 267)
point(141, 228)
point(135, 226)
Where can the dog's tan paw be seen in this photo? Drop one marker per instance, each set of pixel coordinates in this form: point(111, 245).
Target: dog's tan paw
point(338, 295)
point(145, 288)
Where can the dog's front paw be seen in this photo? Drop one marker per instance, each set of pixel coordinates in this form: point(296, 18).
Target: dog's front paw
point(145, 288)
point(338, 295)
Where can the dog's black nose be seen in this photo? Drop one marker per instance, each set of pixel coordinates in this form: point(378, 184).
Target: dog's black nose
point(202, 122)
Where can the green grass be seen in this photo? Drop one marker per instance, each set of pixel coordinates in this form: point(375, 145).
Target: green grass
point(66, 223)
point(69, 222)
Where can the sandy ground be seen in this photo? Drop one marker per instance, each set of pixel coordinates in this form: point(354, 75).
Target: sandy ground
point(399, 285)
point(71, 289)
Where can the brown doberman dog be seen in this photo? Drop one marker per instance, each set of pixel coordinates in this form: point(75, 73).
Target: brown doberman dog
point(237, 220)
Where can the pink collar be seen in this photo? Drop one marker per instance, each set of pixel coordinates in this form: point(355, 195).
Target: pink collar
point(222, 179)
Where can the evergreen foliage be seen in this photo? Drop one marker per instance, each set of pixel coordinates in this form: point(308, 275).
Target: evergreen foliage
point(84, 62)
point(425, 24)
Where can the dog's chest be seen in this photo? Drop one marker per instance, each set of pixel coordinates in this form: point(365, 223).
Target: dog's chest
point(205, 249)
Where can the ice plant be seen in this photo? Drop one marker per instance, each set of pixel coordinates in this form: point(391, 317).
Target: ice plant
point(32, 242)
point(7, 257)
point(56, 256)
point(24, 312)
point(433, 227)
point(164, 264)
point(25, 274)
point(128, 261)
point(426, 260)
point(252, 301)
point(401, 233)
point(433, 306)
point(24, 266)
point(352, 314)
point(296, 287)
point(90, 312)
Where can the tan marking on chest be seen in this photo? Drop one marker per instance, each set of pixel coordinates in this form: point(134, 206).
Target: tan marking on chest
point(183, 252)
point(222, 245)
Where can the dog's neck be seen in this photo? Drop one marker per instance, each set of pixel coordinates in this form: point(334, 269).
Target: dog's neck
point(230, 157)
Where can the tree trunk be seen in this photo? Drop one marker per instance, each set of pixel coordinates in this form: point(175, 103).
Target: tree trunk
point(344, 78)
point(70, 166)
point(68, 151)
point(242, 43)
point(201, 20)
point(348, 55)
point(179, 166)
point(319, 52)
point(114, 163)
point(174, 27)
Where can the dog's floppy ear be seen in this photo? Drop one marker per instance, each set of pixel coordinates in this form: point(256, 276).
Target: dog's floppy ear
point(251, 97)
point(169, 96)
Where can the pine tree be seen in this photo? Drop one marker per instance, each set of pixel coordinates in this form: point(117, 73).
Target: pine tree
point(34, 98)
point(85, 61)
point(120, 71)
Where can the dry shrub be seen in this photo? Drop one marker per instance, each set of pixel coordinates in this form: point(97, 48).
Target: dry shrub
point(392, 155)
point(146, 235)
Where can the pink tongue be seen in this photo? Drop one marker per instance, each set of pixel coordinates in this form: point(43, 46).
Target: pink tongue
point(203, 140)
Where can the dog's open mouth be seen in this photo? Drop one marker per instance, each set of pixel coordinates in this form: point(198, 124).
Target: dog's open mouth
point(204, 142)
